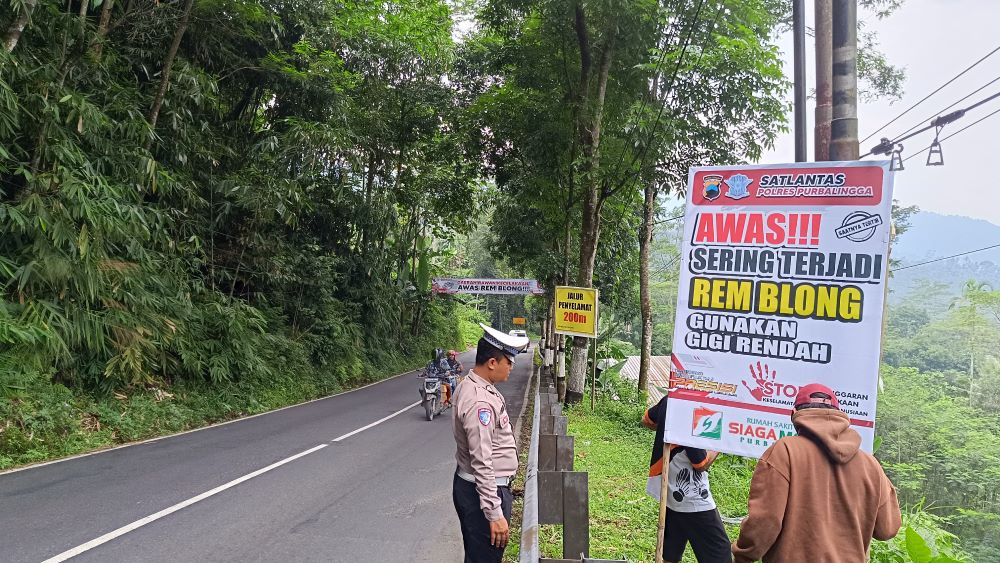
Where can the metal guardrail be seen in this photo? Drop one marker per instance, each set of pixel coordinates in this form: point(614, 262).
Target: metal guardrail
point(553, 492)
point(530, 552)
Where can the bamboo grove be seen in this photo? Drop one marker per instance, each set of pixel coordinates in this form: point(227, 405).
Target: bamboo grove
point(219, 189)
point(207, 190)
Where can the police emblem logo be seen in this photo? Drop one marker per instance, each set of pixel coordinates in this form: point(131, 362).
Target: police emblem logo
point(738, 186)
point(485, 415)
point(712, 187)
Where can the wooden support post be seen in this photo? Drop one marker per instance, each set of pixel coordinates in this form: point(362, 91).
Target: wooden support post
point(550, 497)
point(564, 453)
point(555, 452)
point(548, 448)
point(560, 425)
point(546, 424)
point(576, 514)
point(664, 491)
point(593, 378)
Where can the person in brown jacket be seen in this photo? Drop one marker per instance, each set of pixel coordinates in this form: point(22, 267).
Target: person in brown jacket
point(817, 496)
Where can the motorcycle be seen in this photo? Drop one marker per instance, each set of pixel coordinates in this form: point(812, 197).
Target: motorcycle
point(430, 394)
point(432, 391)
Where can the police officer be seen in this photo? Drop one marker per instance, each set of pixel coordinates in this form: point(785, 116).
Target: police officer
point(486, 454)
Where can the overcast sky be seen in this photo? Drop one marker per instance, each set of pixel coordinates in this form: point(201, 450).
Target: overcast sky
point(934, 40)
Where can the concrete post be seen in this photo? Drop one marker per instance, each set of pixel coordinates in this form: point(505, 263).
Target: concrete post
point(844, 126)
point(824, 79)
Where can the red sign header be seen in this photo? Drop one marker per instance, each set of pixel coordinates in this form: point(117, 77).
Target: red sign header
point(812, 186)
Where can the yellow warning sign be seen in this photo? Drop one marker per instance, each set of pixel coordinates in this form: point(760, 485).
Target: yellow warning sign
point(520, 320)
point(576, 311)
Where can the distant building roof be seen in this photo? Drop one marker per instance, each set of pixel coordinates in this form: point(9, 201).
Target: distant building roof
point(659, 375)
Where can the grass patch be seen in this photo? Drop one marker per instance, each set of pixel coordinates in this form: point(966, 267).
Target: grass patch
point(48, 420)
point(614, 448)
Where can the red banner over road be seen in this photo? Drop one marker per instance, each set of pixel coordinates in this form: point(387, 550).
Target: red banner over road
point(486, 286)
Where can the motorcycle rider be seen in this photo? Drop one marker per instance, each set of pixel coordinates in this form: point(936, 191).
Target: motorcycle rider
point(438, 370)
point(456, 365)
point(455, 371)
point(438, 363)
point(441, 368)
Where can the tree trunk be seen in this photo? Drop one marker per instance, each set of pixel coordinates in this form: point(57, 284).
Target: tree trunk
point(590, 232)
point(102, 28)
point(561, 340)
point(154, 110)
point(84, 4)
point(550, 336)
point(645, 241)
point(13, 33)
point(368, 213)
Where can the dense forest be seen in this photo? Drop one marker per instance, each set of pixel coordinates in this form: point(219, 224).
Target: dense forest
point(216, 207)
point(210, 208)
point(938, 414)
point(236, 204)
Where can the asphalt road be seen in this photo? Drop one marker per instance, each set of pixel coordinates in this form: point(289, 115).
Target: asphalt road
point(380, 494)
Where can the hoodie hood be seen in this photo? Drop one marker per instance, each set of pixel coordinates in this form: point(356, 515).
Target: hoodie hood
point(831, 430)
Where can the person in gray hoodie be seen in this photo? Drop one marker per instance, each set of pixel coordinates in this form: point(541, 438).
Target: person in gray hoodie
point(817, 496)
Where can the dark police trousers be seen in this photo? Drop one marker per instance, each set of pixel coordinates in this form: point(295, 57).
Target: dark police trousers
point(475, 527)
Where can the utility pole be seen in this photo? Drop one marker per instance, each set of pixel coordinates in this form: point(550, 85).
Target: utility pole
point(550, 336)
point(799, 50)
point(824, 79)
point(844, 126)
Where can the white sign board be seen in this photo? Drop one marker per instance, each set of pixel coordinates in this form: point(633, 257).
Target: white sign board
point(782, 284)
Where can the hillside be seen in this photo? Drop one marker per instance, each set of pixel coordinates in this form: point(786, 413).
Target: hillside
point(933, 236)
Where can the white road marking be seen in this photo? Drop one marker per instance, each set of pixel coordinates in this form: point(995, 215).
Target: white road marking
point(235, 420)
point(70, 553)
point(377, 422)
point(167, 511)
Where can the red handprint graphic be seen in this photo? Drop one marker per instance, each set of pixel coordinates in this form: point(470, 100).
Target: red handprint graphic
point(764, 377)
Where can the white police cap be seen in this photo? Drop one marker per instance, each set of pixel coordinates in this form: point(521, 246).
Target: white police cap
point(510, 345)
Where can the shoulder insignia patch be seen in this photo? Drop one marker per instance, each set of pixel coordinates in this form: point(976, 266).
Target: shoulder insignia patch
point(485, 416)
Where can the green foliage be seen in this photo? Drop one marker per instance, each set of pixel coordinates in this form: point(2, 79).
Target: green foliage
point(613, 447)
point(923, 539)
point(40, 420)
point(937, 415)
point(525, 69)
point(469, 331)
point(273, 233)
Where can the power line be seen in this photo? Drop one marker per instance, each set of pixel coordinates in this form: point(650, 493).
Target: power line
point(945, 258)
point(925, 98)
point(668, 219)
point(886, 146)
point(967, 96)
point(983, 118)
